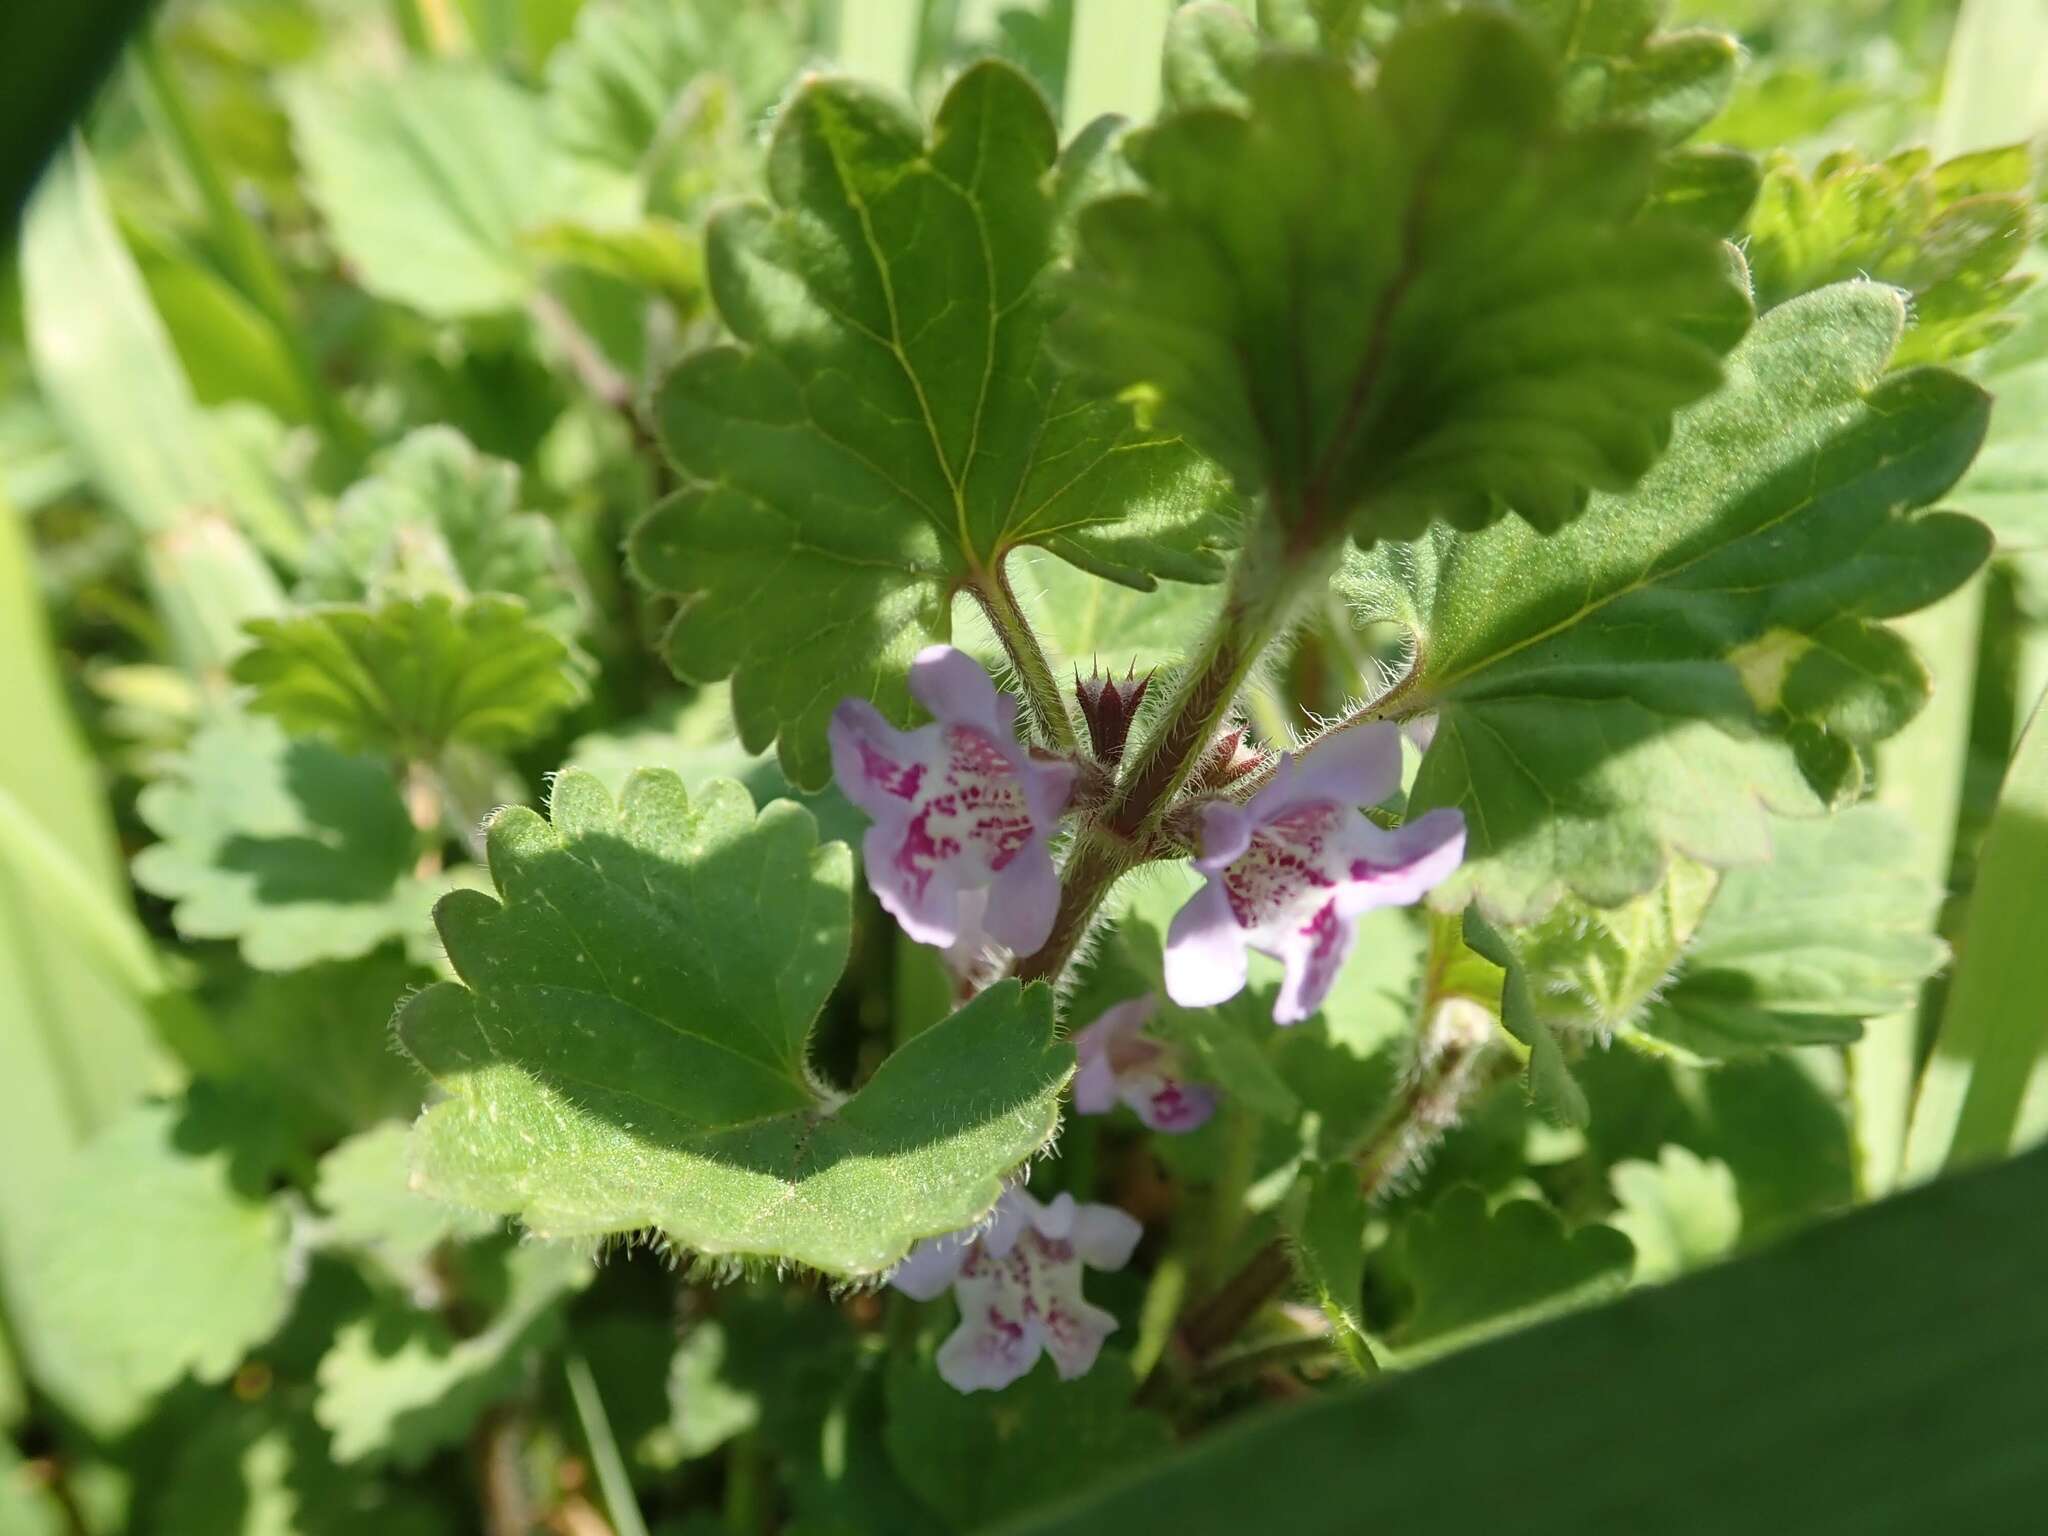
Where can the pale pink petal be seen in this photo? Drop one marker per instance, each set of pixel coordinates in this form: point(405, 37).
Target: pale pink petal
point(1014, 1213)
point(1226, 833)
point(1055, 1219)
point(1421, 730)
point(973, 952)
point(1095, 1086)
point(1074, 1332)
point(1024, 899)
point(1397, 868)
point(1104, 1237)
point(1360, 765)
point(1205, 950)
point(1313, 954)
point(1168, 1104)
point(952, 685)
point(1047, 788)
point(1118, 1022)
point(988, 1351)
point(879, 768)
point(931, 1267)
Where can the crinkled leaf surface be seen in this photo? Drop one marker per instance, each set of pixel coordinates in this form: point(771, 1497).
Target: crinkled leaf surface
point(411, 676)
point(1653, 678)
point(629, 1048)
point(158, 1256)
point(890, 425)
point(428, 178)
point(1427, 297)
point(1949, 235)
point(300, 852)
point(1476, 1271)
point(1837, 928)
point(440, 517)
point(397, 1385)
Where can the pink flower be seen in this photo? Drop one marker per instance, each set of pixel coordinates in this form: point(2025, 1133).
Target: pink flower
point(1120, 1061)
point(1291, 872)
point(961, 810)
point(1018, 1283)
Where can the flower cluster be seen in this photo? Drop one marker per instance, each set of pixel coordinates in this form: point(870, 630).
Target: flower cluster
point(1018, 1284)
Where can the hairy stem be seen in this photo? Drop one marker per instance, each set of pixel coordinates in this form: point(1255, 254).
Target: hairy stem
point(1265, 581)
point(1043, 695)
point(1455, 1057)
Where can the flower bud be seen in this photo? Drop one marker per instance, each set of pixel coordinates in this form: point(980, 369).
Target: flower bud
point(1108, 706)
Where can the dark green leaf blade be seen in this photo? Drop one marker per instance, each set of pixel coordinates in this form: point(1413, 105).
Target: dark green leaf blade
point(1705, 648)
point(630, 1048)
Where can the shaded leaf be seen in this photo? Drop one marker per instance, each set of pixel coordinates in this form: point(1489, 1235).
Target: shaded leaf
point(364, 1186)
point(1685, 657)
point(1426, 298)
point(1326, 1228)
point(631, 1046)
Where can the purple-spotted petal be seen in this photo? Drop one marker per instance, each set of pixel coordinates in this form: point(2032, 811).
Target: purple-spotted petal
point(988, 1351)
point(1360, 765)
point(925, 899)
point(877, 767)
point(1205, 950)
point(1025, 899)
point(1397, 868)
point(1074, 1332)
point(1167, 1104)
point(1312, 955)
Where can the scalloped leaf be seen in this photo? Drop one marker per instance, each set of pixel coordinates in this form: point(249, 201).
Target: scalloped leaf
point(630, 1046)
point(412, 676)
point(1683, 658)
point(299, 852)
point(890, 426)
point(1430, 297)
point(438, 516)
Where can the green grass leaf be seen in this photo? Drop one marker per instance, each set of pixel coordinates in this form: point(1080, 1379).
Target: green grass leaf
point(299, 852)
point(158, 1256)
point(1699, 651)
point(1789, 1391)
point(890, 426)
point(1948, 235)
point(630, 1049)
point(1430, 297)
point(412, 676)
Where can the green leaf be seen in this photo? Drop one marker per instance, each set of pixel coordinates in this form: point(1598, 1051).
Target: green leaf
point(631, 1046)
point(297, 851)
point(1326, 1227)
point(1680, 1211)
point(1685, 657)
point(412, 676)
point(428, 180)
point(1478, 1272)
point(1949, 235)
point(890, 425)
point(706, 1410)
point(438, 517)
point(1524, 1014)
point(1621, 68)
point(1718, 1403)
point(365, 1188)
point(316, 1041)
point(1837, 928)
point(2007, 486)
point(156, 1257)
point(397, 1385)
point(614, 87)
point(1428, 297)
point(978, 1458)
